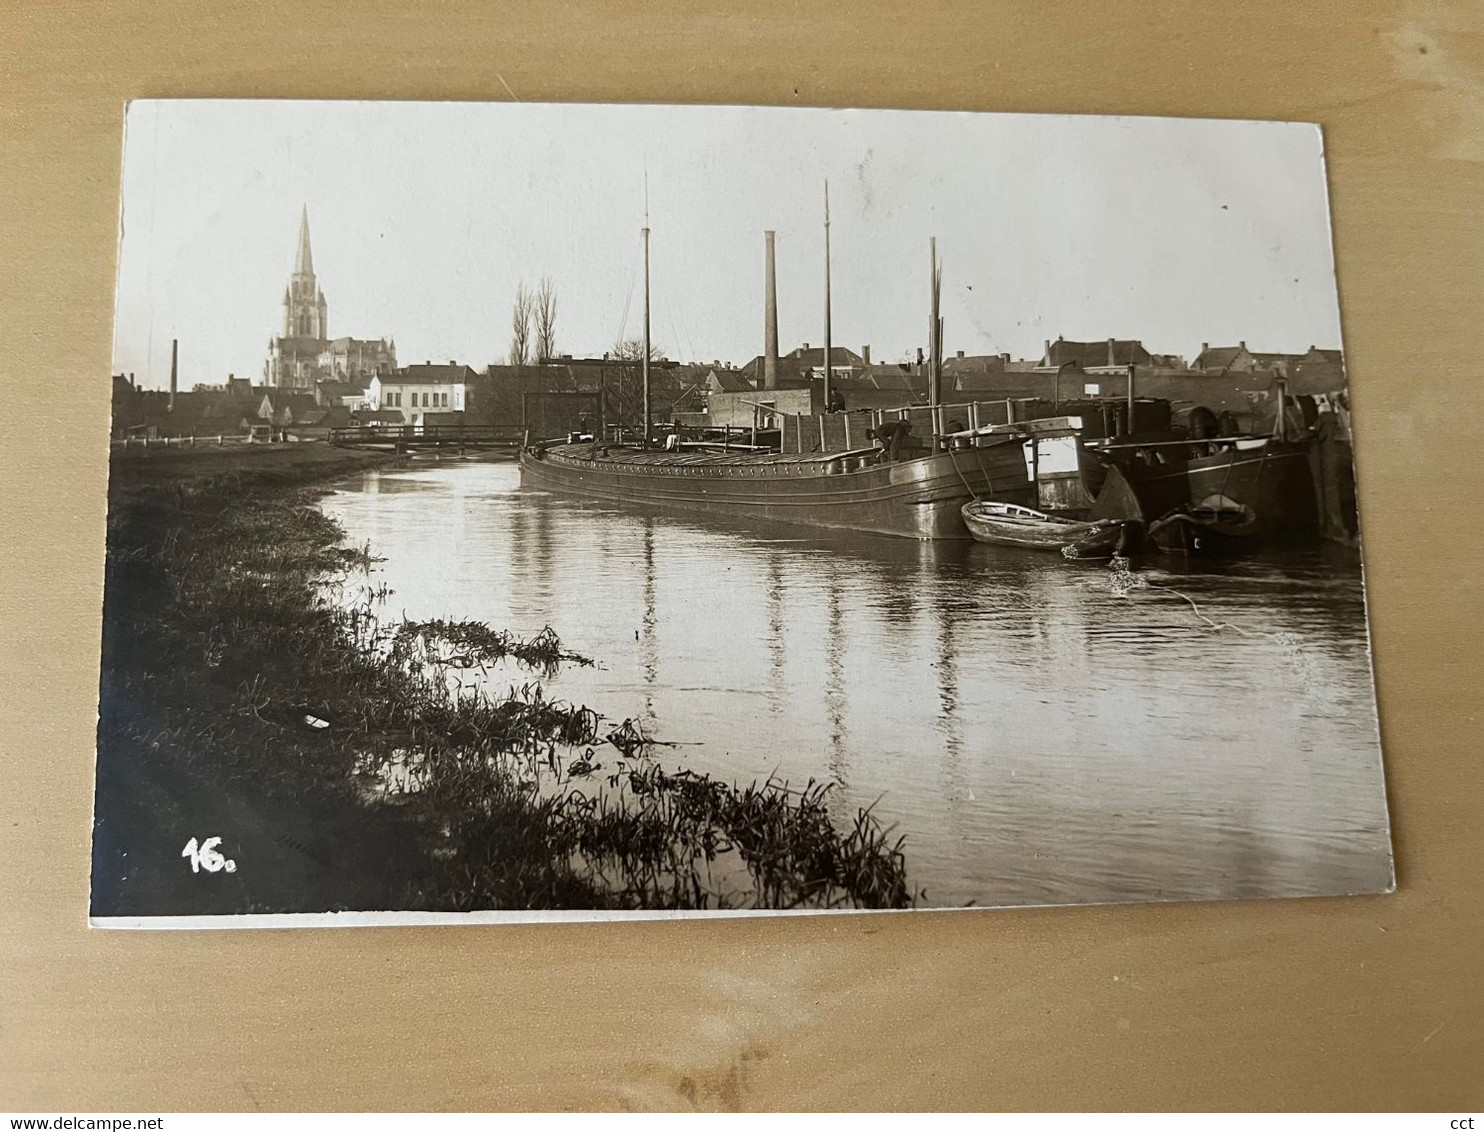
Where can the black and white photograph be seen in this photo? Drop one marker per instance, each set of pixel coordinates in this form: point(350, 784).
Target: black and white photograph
point(534, 511)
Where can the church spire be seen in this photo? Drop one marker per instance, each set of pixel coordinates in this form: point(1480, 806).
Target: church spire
point(304, 264)
point(304, 308)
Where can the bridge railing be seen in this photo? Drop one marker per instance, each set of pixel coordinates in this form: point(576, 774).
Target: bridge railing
point(428, 434)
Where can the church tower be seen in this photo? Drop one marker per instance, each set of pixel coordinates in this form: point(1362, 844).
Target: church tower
point(304, 311)
point(303, 355)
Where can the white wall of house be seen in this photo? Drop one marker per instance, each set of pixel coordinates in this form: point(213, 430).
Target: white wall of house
point(741, 410)
point(839, 370)
point(414, 399)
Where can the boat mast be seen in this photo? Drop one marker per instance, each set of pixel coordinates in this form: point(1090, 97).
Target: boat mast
point(770, 314)
point(935, 333)
point(644, 360)
point(1129, 424)
point(827, 349)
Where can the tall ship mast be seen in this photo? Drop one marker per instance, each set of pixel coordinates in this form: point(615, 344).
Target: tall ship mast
point(828, 345)
point(644, 362)
point(935, 327)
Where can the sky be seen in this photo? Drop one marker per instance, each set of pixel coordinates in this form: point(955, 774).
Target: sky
point(426, 217)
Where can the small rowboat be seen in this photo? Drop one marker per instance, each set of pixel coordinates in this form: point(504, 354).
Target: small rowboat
point(1215, 525)
point(1009, 524)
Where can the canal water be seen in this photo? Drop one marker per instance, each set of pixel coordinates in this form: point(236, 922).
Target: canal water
point(1040, 731)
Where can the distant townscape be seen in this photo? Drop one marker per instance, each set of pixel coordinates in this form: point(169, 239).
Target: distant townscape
point(312, 383)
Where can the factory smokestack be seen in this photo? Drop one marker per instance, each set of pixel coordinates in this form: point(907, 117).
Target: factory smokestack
point(770, 320)
point(174, 344)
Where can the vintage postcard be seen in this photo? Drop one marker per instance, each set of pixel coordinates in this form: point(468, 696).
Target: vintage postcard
point(531, 512)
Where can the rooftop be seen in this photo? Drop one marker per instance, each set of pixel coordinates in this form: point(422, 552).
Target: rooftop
point(430, 374)
point(1108, 352)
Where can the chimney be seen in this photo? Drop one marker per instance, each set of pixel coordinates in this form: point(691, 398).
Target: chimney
point(770, 318)
point(866, 354)
point(1005, 358)
point(960, 353)
point(174, 344)
point(1243, 345)
point(1112, 356)
point(1046, 357)
point(919, 359)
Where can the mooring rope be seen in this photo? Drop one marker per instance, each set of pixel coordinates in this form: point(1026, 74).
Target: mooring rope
point(1125, 581)
point(953, 459)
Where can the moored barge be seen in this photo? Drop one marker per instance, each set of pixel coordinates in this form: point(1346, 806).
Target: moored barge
point(859, 490)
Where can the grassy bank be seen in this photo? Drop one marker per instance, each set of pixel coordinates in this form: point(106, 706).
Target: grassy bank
point(196, 468)
point(333, 755)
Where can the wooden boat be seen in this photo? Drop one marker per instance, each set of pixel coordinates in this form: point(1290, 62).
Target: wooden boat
point(1009, 524)
point(1268, 479)
point(1267, 476)
point(1216, 525)
point(920, 498)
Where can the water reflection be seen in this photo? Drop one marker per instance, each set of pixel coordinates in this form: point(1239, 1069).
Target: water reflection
point(1037, 735)
point(776, 654)
point(834, 687)
point(649, 654)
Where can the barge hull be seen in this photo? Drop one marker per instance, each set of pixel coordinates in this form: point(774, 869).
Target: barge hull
point(1274, 481)
point(919, 498)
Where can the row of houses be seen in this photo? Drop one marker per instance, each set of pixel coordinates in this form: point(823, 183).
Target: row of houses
point(567, 392)
point(1222, 379)
point(413, 395)
point(416, 395)
point(1108, 354)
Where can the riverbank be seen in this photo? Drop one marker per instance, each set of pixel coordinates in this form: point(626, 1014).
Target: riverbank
point(208, 466)
point(329, 754)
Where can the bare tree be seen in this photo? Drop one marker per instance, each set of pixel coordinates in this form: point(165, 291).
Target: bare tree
point(626, 381)
point(545, 310)
point(520, 326)
point(632, 350)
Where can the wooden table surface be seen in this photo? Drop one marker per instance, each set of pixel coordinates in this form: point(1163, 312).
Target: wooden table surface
point(1334, 1003)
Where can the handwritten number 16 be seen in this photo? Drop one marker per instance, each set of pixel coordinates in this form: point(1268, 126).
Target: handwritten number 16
point(205, 856)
